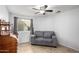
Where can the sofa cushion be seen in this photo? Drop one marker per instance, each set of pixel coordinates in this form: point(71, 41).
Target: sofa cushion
point(48, 39)
point(48, 34)
point(39, 38)
point(43, 40)
point(53, 37)
point(39, 33)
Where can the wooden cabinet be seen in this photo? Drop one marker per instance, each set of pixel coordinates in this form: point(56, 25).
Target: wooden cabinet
point(8, 44)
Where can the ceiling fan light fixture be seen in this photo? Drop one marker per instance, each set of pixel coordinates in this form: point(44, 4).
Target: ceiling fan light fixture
point(42, 11)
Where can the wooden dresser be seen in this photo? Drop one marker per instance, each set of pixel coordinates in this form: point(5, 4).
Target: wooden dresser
point(8, 44)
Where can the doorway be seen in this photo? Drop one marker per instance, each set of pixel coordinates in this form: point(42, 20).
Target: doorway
point(23, 29)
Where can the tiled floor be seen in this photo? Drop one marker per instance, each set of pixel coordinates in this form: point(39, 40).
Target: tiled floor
point(28, 48)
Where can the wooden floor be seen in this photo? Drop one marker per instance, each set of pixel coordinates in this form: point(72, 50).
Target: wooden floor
point(28, 48)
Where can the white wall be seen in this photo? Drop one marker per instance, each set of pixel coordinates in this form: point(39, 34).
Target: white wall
point(67, 28)
point(4, 14)
point(43, 23)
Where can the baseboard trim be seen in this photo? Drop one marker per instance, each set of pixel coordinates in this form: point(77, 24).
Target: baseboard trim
point(24, 43)
point(68, 47)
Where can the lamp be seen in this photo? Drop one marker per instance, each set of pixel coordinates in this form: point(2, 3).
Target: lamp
point(3, 28)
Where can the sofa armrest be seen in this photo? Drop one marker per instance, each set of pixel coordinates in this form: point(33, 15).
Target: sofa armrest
point(55, 42)
point(53, 36)
point(33, 37)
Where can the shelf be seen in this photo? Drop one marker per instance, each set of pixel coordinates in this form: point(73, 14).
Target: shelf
point(5, 24)
point(4, 28)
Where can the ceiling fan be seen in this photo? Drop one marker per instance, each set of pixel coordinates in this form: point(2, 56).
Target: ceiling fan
point(42, 10)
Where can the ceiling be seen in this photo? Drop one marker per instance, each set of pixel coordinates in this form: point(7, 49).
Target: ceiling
point(28, 11)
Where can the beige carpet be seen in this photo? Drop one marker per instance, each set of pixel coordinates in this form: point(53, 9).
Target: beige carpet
point(28, 48)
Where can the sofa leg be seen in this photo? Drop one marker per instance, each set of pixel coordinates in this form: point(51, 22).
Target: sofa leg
point(55, 46)
point(32, 44)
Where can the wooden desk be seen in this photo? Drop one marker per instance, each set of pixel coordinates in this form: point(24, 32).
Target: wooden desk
point(8, 44)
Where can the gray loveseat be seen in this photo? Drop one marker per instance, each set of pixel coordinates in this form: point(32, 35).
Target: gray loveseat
point(44, 38)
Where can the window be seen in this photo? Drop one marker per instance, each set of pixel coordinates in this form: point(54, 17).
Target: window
point(23, 25)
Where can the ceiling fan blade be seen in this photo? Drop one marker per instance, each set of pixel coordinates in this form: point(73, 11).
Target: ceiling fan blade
point(49, 10)
point(35, 9)
point(45, 6)
point(37, 12)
